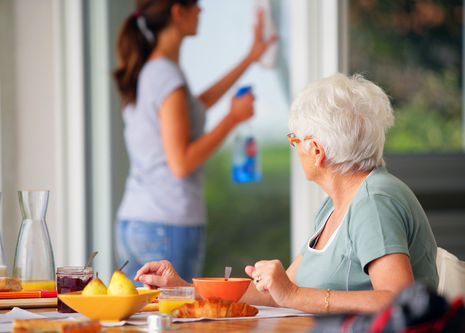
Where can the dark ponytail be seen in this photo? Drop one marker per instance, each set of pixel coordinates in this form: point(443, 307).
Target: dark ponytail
point(133, 48)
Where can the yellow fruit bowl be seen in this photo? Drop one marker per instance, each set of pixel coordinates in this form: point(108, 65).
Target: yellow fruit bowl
point(109, 307)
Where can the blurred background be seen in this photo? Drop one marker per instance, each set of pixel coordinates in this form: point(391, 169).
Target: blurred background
point(61, 127)
point(414, 50)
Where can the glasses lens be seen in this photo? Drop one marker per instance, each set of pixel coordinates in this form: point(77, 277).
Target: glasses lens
point(290, 137)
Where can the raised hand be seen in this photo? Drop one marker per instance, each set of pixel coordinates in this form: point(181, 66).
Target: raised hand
point(260, 45)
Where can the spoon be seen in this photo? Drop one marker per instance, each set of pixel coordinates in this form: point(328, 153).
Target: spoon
point(90, 259)
point(227, 273)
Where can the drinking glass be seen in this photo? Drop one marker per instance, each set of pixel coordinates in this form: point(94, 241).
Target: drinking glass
point(173, 297)
point(34, 265)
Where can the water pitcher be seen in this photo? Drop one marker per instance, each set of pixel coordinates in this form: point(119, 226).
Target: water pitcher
point(34, 265)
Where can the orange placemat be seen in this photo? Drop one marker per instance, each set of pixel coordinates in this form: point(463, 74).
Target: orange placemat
point(20, 294)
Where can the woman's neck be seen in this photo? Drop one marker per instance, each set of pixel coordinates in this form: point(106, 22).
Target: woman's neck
point(342, 188)
point(168, 44)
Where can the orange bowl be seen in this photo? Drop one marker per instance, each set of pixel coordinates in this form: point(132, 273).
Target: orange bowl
point(233, 289)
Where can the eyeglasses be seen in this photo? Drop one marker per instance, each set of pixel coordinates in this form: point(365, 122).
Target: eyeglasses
point(293, 140)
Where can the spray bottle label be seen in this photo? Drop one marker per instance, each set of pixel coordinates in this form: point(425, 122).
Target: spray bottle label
point(246, 163)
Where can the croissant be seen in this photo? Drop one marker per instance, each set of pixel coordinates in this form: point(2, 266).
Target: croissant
point(214, 307)
point(154, 306)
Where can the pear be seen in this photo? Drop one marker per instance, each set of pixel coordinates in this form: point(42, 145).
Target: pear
point(120, 284)
point(95, 287)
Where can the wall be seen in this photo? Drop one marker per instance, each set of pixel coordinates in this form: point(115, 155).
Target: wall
point(38, 131)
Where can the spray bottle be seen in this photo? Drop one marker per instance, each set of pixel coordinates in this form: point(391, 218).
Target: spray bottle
point(246, 165)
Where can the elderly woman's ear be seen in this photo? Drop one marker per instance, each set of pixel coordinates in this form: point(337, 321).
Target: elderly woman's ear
point(318, 152)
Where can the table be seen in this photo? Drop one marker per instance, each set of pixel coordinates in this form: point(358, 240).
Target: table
point(282, 324)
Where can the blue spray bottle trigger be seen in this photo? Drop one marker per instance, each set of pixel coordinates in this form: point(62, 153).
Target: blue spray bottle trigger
point(243, 90)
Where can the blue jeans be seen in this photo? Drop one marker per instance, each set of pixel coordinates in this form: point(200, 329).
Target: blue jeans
point(141, 242)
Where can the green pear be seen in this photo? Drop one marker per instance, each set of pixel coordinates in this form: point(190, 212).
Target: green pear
point(120, 284)
point(95, 287)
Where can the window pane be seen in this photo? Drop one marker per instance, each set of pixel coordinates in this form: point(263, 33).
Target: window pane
point(246, 222)
point(413, 49)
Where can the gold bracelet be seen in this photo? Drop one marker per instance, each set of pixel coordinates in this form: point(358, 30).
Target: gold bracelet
point(327, 300)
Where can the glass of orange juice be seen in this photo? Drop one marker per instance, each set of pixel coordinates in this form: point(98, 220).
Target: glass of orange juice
point(173, 297)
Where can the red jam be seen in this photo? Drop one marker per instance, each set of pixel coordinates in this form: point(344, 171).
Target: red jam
point(69, 279)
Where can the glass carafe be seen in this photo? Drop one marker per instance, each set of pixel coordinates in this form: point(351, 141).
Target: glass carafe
point(34, 265)
point(2, 254)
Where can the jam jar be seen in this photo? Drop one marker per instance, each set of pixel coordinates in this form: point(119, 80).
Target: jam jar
point(69, 279)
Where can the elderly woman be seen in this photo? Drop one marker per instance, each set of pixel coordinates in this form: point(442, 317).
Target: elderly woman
point(371, 237)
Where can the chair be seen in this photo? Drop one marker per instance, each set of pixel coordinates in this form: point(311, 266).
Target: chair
point(451, 275)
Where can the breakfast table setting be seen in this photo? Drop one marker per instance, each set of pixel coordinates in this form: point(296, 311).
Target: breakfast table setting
point(123, 307)
point(268, 319)
point(40, 297)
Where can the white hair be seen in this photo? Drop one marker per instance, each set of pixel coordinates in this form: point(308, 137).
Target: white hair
point(348, 117)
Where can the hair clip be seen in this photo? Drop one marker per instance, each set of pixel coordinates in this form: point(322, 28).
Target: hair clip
point(142, 24)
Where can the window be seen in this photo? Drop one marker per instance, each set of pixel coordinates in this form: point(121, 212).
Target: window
point(414, 50)
point(246, 222)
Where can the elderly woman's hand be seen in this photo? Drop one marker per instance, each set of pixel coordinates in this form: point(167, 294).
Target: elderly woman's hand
point(270, 277)
point(158, 274)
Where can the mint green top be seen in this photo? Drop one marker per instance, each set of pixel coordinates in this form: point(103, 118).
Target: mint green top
point(384, 217)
